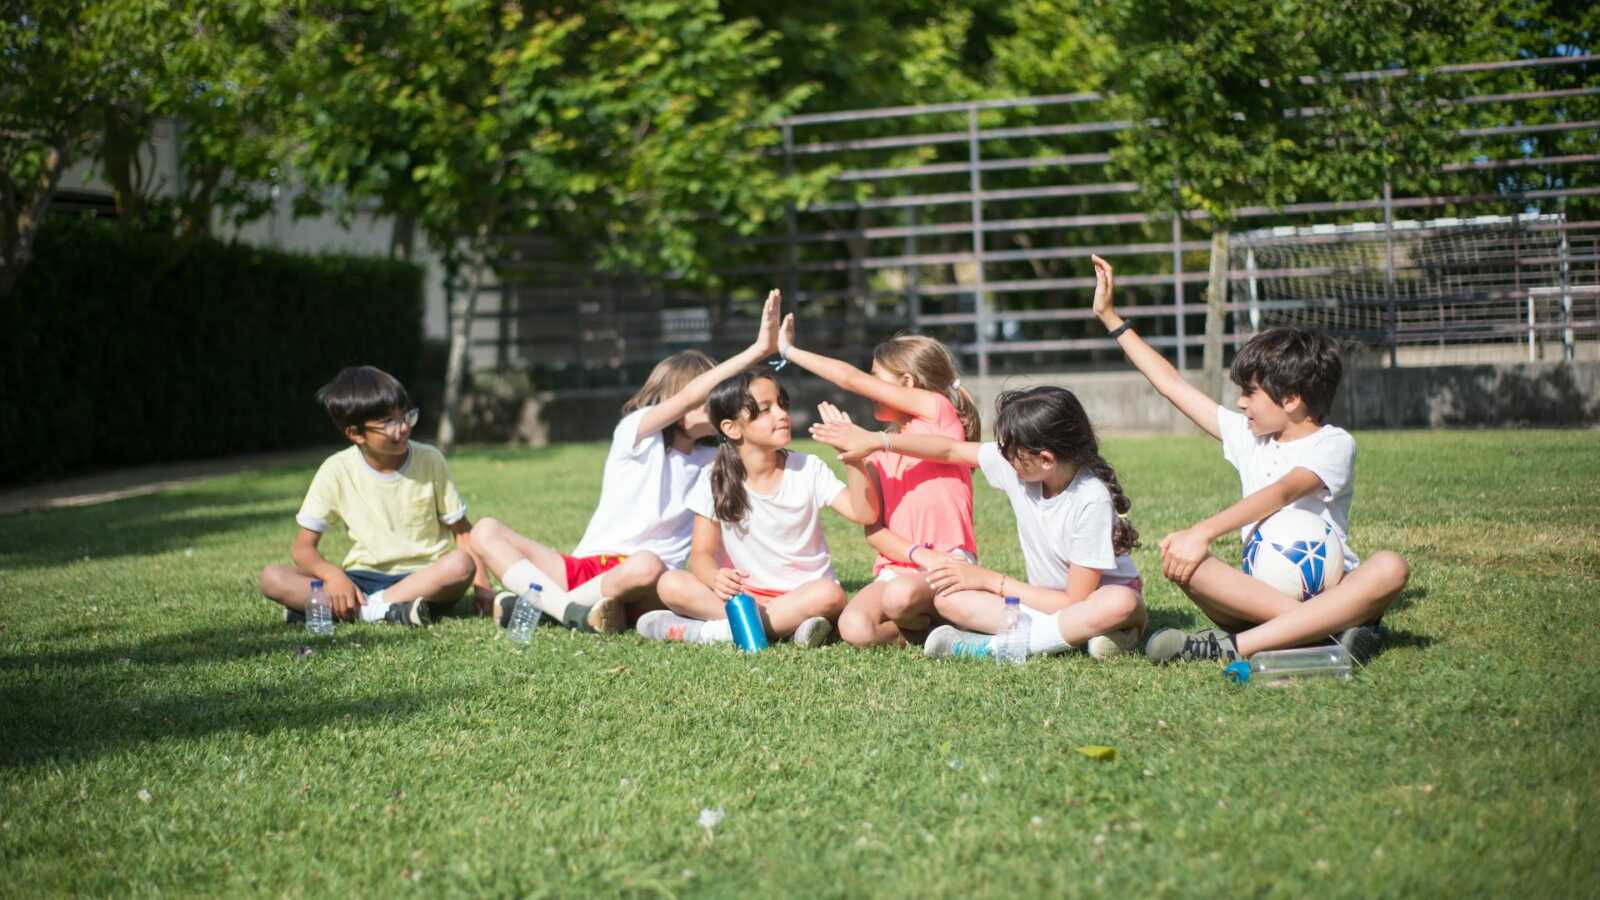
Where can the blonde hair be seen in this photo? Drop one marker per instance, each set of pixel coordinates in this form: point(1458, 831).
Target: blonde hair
point(670, 376)
point(933, 368)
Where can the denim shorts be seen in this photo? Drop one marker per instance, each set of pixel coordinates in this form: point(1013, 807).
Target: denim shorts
point(372, 582)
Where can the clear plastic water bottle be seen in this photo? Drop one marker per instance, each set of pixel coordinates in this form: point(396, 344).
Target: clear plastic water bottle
point(1281, 667)
point(319, 611)
point(524, 617)
point(1011, 642)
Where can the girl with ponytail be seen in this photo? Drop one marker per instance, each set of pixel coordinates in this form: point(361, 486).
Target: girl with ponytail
point(927, 504)
point(1082, 588)
point(758, 526)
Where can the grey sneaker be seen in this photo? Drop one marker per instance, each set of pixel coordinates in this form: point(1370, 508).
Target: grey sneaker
point(812, 632)
point(500, 611)
point(1361, 642)
point(948, 641)
point(1170, 644)
point(666, 625)
point(1113, 643)
point(412, 613)
point(605, 616)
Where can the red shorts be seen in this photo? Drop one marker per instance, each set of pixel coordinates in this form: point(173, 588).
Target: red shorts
point(762, 596)
point(583, 568)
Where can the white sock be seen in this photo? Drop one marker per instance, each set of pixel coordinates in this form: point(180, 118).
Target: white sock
point(375, 607)
point(1044, 633)
point(521, 578)
point(715, 631)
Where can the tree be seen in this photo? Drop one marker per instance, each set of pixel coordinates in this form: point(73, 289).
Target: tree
point(626, 125)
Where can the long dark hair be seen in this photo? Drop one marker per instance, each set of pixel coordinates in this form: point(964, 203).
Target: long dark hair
point(1051, 418)
point(727, 401)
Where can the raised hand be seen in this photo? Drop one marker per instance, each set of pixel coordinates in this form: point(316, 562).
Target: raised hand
point(767, 337)
point(1104, 281)
point(853, 442)
point(786, 336)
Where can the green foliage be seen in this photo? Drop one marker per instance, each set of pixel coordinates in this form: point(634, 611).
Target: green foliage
point(136, 656)
point(114, 351)
point(1243, 103)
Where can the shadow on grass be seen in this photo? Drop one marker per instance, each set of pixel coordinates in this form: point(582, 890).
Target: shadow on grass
point(75, 711)
point(1407, 597)
point(211, 645)
point(137, 526)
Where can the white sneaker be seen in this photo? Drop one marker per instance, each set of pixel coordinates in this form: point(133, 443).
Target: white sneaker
point(812, 632)
point(948, 640)
point(1113, 643)
point(666, 625)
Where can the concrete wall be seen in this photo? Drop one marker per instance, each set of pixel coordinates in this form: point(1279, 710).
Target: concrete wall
point(1502, 395)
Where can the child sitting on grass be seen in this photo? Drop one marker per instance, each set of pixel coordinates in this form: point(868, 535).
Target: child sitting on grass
point(1082, 588)
point(758, 526)
point(395, 497)
point(1286, 456)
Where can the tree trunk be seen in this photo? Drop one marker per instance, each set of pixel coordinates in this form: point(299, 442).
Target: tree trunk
point(403, 239)
point(31, 204)
point(1216, 298)
point(462, 308)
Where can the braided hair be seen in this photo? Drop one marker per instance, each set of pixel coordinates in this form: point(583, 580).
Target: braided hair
point(1051, 418)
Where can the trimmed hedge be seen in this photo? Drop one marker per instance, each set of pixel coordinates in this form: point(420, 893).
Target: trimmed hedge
point(116, 349)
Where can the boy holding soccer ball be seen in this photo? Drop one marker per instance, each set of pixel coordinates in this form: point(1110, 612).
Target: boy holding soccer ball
point(1287, 459)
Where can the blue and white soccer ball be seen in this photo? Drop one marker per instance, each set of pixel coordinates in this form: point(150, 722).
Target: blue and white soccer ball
point(1295, 551)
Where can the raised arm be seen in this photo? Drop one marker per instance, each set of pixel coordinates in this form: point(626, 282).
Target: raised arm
point(858, 502)
point(695, 392)
point(854, 442)
point(910, 400)
point(1162, 375)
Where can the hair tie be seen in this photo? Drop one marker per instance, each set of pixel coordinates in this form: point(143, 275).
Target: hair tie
point(955, 385)
point(783, 360)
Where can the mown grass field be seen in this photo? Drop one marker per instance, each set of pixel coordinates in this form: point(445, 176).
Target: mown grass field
point(162, 732)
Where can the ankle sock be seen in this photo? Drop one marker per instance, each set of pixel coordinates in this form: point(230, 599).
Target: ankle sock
point(1044, 633)
point(375, 608)
point(715, 631)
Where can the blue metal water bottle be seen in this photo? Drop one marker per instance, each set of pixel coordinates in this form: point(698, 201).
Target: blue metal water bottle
point(744, 619)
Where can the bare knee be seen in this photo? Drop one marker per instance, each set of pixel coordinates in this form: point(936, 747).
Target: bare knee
point(1120, 605)
point(900, 596)
point(642, 570)
point(272, 579)
point(831, 601)
point(674, 585)
point(1391, 569)
point(857, 628)
point(457, 566)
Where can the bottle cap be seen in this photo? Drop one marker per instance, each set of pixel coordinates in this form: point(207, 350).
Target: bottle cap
point(536, 588)
point(1013, 601)
point(1237, 671)
point(316, 584)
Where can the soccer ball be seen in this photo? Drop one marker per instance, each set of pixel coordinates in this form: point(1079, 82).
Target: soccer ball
point(1295, 551)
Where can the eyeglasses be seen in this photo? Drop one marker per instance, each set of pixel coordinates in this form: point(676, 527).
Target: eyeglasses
point(393, 427)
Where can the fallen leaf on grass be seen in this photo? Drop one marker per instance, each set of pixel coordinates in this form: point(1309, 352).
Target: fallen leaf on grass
point(1095, 751)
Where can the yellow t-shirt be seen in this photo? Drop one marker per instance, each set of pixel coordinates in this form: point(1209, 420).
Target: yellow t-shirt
point(397, 520)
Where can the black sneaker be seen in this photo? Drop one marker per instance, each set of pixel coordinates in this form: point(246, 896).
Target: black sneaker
point(1362, 642)
point(412, 613)
point(293, 616)
point(1170, 644)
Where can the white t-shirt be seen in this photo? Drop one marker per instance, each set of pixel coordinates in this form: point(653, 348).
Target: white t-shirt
point(780, 542)
point(1073, 527)
point(642, 496)
point(1330, 454)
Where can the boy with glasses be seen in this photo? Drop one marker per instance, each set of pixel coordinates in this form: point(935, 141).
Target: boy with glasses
point(396, 499)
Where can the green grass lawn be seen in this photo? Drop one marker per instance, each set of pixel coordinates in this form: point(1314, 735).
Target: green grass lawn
point(160, 731)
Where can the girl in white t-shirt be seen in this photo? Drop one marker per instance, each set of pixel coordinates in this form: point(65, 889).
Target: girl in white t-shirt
point(1082, 588)
point(641, 527)
point(758, 526)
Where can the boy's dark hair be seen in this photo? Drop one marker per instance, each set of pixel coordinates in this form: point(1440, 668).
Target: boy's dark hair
point(727, 401)
point(1051, 418)
point(361, 393)
point(1291, 362)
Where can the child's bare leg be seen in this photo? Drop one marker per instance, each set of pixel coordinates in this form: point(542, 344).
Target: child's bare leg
point(501, 548)
point(972, 610)
point(634, 580)
point(822, 597)
point(908, 600)
point(1234, 600)
point(1112, 607)
point(1358, 599)
point(863, 622)
point(285, 585)
point(685, 595)
point(442, 581)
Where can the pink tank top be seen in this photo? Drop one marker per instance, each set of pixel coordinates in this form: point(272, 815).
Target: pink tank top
point(924, 501)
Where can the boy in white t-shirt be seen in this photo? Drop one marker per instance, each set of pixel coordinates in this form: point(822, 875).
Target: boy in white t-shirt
point(758, 526)
point(1286, 457)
